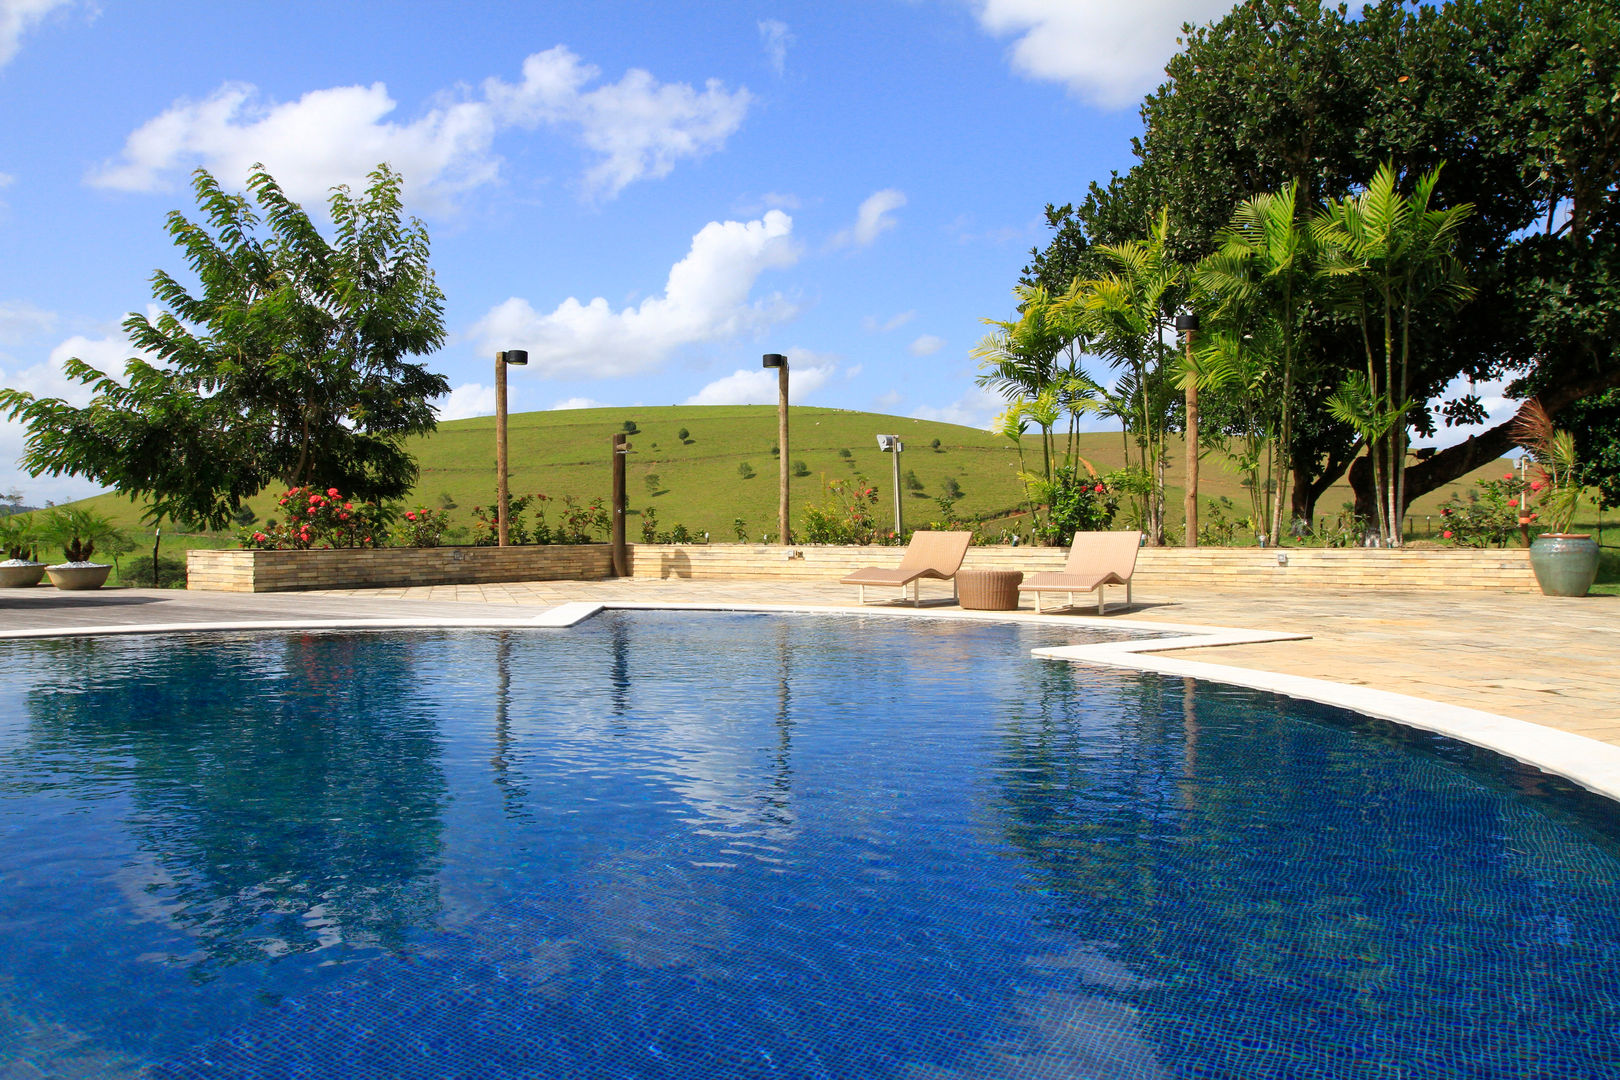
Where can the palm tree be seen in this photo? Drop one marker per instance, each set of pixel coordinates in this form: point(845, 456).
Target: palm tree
point(1389, 255)
point(1123, 314)
point(1264, 265)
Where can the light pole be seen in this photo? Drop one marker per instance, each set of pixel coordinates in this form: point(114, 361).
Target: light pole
point(1187, 326)
point(891, 444)
point(780, 363)
point(517, 358)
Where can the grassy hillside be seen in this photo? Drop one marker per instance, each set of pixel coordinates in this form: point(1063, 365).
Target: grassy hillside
point(698, 484)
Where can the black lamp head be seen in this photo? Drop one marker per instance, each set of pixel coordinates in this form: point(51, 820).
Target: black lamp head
point(515, 357)
point(1186, 323)
point(774, 359)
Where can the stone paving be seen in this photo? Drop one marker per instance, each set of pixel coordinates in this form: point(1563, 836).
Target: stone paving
point(1546, 660)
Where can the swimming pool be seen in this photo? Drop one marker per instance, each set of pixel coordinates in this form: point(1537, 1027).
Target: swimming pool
point(678, 845)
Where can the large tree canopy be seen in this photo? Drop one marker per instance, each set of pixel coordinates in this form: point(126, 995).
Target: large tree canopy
point(1515, 97)
point(290, 365)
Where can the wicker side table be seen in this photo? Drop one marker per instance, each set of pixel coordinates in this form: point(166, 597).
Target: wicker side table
point(988, 590)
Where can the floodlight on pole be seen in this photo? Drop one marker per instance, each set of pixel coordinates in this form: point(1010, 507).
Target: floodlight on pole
point(891, 444)
point(780, 363)
point(516, 358)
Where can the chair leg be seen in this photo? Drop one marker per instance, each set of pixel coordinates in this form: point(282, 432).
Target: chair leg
point(916, 593)
point(863, 593)
point(1102, 593)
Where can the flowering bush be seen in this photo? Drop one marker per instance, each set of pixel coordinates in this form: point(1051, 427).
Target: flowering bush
point(421, 527)
point(486, 529)
point(1489, 515)
point(580, 523)
point(1076, 504)
point(849, 516)
point(317, 518)
point(651, 534)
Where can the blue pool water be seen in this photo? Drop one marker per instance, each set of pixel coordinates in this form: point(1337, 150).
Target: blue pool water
point(694, 846)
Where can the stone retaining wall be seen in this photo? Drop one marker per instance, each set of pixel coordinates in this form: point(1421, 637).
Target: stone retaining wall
point(359, 568)
point(1161, 569)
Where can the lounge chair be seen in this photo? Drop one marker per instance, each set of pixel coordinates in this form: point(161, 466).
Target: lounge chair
point(930, 555)
point(1096, 560)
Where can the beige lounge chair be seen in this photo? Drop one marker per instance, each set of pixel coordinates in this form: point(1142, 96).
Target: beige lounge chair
point(929, 555)
point(1096, 560)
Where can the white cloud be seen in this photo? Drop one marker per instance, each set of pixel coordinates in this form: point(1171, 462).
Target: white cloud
point(854, 372)
point(776, 37)
point(638, 128)
point(578, 403)
point(807, 373)
point(1105, 52)
point(1498, 410)
point(926, 345)
point(467, 400)
point(977, 408)
point(873, 219)
point(17, 17)
point(706, 298)
point(871, 325)
point(20, 320)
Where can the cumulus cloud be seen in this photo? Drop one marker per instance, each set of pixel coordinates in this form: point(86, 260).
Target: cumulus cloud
point(872, 325)
point(17, 17)
point(578, 403)
point(776, 37)
point(808, 372)
point(706, 298)
point(926, 345)
point(1108, 53)
point(467, 400)
point(637, 128)
point(977, 408)
point(20, 320)
point(873, 219)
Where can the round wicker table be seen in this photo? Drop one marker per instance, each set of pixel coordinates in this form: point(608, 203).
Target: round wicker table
point(988, 590)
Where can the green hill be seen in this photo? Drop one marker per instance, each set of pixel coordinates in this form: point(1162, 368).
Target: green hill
point(697, 481)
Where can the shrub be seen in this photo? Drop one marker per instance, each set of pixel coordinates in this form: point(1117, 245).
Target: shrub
point(950, 488)
point(1489, 515)
point(844, 453)
point(849, 515)
point(740, 527)
point(171, 574)
point(934, 445)
point(316, 518)
point(580, 522)
point(486, 530)
point(654, 483)
point(912, 483)
point(422, 528)
point(800, 469)
point(745, 470)
point(1078, 504)
point(630, 428)
point(684, 435)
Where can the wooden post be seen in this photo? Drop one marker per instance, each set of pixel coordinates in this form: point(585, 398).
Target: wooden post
point(1191, 504)
point(500, 449)
point(621, 553)
point(782, 441)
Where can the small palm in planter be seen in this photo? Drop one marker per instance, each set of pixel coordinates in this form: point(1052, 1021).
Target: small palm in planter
point(18, 534)
point(1565, 563)
point(77, 532)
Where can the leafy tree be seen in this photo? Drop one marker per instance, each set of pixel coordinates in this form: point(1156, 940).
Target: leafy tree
point(289, 365)
point(1595, 424)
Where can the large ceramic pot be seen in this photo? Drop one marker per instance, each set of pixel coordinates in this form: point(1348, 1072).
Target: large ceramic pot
point(1566, 564)
point(85, 576)
point(21, 575)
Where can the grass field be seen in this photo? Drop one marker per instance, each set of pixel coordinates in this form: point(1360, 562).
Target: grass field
point(696, 482)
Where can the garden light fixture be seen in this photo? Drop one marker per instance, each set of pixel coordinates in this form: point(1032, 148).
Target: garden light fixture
point(891, 444)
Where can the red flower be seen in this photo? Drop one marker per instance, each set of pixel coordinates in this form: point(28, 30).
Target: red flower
point(343, 517)
point(410, 515)
point(333, 492)
point(1099, 487)
point(259, 538)
point(1444, 510)
point(314, 500)
point(1507, 476)
point(348, 506)
point(1513, 502)
point(1446, 534)
point(1534, 516)
point(1536, 485)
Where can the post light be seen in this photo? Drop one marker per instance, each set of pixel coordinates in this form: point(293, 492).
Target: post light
point(1187, 326)
point(516, 358)
point(891, 444)
point(780, 363)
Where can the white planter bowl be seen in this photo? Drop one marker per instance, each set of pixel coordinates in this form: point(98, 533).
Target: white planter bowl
point(79, 576)
point(21, 576)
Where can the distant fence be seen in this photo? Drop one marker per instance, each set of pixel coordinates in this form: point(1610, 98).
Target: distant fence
point(1162, 569)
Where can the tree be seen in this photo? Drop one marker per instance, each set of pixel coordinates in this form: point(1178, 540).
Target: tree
point(289, 366)
point(1393, 256)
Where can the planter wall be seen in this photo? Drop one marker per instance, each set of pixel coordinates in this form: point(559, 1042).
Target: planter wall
point(1165, 569)
point(360, 568)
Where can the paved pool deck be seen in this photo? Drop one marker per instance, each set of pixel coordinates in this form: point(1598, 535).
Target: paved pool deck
point(1547, 661)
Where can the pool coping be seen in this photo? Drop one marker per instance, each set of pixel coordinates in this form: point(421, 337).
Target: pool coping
point(1592, 764)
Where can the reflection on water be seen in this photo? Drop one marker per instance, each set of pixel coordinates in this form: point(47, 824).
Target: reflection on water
point(672, 845)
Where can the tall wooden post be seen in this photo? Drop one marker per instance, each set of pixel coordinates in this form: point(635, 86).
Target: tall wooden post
point(1188, 324)
point(621, 553)
point(782, 525)
point(500, 448)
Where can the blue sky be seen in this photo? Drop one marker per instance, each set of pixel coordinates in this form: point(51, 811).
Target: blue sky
point(645, 196)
